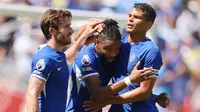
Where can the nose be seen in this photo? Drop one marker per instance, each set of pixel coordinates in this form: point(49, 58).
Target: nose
point(113, 54)
point(131, 19)
point(71, 30)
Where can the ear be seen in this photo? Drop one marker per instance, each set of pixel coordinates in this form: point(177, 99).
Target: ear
point(97, 42)
point(52, 31)
point(149, 24)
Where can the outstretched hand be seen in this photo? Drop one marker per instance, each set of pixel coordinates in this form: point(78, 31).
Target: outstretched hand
point(163, 100)
point(138, 76)
point(93, 106)
point(92, 26)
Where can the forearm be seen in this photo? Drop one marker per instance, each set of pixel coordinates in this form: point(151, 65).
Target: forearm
point(32, 103)
point(72, 51)
point(108, 91)
point(79, 33)
point(132, 96)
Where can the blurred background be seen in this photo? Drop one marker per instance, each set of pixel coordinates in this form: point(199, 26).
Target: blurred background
point(176, 31)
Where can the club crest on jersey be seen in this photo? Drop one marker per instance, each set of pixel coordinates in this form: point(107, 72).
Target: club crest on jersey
point(85, 60)
point(132, 57)
point(40, 64)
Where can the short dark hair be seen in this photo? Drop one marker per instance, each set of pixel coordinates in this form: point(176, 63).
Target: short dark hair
point(110, 30)
point(149, 11)
point(51, 19)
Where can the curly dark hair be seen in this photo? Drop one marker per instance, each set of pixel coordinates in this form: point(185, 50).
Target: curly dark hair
point(110, 30)
point(149, 11)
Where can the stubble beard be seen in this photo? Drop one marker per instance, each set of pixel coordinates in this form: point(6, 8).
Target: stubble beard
point(63, 40)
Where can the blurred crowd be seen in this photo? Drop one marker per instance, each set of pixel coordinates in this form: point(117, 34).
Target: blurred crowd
point(176, 31)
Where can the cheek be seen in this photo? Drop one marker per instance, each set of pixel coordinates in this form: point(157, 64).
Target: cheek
point(117, 52)
point(103, 51)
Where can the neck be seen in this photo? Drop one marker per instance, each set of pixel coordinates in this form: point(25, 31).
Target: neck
point(58, 47)
point(134, 38)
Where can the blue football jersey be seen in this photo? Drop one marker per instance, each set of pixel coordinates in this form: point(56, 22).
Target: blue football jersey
point(51, 66)
point(87, 63)
point(149, 55)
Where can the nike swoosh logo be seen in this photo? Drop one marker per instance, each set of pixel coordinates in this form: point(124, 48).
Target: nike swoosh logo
point(59, 68)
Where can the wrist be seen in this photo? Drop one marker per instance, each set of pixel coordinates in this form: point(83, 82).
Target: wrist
point(155, 97)
point(127, 81)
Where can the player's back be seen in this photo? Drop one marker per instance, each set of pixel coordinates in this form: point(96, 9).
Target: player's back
point(51, 66)
point(87, 63)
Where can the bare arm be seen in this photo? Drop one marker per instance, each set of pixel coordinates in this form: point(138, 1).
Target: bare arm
point(72, 51)
point(141, 93)
point(99, 92)
point(35, 87)
point(137, 94)
point(80, 31)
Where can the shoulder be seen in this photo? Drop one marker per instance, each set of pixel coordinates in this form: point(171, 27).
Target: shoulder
point(87, 51)
point(150, 46)
point(86, 56)
point(124, 38)
point(43, 53)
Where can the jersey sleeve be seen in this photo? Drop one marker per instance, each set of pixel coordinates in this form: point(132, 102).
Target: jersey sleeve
point(85, 66)
point(153, 59)
point(41, 68)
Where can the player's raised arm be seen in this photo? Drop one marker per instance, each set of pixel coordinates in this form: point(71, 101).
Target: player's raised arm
point(89, 29)
point(80, 31)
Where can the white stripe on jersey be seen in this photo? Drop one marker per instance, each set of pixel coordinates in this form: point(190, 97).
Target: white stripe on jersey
point(78, 78)
point(41, 47)
point(38, 77)
point(44, 90)
point(88, 75)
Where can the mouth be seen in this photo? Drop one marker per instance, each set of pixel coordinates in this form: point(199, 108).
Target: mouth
point(69, 35)
point(130, 25)
point(111, 59)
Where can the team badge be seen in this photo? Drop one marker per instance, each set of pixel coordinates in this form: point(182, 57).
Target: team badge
point(132, 57)
point(40, 65)
point(85, 60)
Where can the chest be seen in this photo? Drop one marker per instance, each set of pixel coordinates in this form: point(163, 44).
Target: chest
point(60, 74)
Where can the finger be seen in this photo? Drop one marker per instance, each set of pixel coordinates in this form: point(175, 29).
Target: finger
point(88, 103)
point(148, 67)
point(86, 106)
point(155, 71)
point(94, 29)
point(100, 27)
point(168, 101)
point(96, 110)
point(152, 73)
point(144, 77)
point(153, 76)
point(95, 19)
point(147, 77)
point(95, 22)
point(146, 71)
point(137, 65)
point(90, 108)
